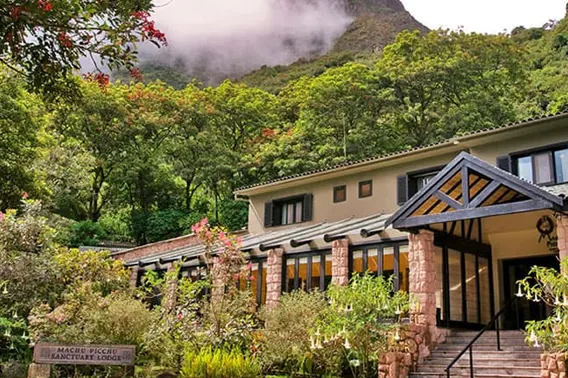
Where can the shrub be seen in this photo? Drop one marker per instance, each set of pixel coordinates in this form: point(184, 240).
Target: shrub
point(551, 287)
point(285, 342)
point(218, 363)
point(86, 233)
point(364, 315)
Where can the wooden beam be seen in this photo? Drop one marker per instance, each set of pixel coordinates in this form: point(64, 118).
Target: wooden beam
point(465, 186)
point(484, 194)
point(449, 200)
point(481, 212)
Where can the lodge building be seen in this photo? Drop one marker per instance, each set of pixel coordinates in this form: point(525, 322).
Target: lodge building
point(456, 223)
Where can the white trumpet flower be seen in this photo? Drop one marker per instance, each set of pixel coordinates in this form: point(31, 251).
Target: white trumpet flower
point(346, 345)
point(519, 292)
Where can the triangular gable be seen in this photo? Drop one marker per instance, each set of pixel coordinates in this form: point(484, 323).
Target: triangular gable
point(488, 190)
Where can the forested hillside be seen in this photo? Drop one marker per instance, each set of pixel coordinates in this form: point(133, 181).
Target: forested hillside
point(142, 162)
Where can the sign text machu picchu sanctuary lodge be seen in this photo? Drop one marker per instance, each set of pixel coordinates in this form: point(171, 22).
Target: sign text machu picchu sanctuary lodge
point(60, 354)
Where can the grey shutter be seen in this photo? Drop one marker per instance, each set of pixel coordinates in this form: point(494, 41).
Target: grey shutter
point(268, 218)
point(307, 207)
point(504, 163)
point(401, 189)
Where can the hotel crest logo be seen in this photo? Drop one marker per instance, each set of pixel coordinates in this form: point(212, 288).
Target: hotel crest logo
point(545, 226)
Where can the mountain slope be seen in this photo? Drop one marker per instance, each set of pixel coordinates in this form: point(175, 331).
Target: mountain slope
point(375, 24)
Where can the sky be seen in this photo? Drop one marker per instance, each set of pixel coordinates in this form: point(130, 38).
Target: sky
point(485, 16)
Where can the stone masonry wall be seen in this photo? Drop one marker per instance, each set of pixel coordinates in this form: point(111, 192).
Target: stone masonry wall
point(553, 365)
point(274, 277)
point(562, 234)
point(340, 262)
point(410, 351)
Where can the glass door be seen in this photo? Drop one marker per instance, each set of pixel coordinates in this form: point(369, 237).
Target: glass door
point(467, 295)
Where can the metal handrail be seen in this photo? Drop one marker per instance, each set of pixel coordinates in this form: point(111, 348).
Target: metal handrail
point(469, 346)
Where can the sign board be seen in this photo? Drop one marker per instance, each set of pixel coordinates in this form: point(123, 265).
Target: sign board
point(64, 354)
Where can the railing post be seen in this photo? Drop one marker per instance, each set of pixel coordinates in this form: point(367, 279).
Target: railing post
point(448, 373)
point(471, 361)
point(517, 313)
point(498, 334)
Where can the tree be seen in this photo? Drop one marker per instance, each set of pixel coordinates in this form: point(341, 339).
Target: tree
point(98, 122)
point(451, 82)
point(20, 123)
point(45, 40)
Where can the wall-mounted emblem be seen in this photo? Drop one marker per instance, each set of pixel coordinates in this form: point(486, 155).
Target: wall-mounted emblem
point(545, 227)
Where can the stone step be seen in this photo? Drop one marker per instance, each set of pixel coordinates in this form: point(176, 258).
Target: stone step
point(485, 339)
point(472, 334)
point(430, 375)
point(486, 360)
point(487, 348)
point(461, 370)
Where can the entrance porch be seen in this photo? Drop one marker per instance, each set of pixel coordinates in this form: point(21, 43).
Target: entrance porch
point(476, 230)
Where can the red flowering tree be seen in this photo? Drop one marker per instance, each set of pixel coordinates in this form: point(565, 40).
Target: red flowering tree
point(44, 40)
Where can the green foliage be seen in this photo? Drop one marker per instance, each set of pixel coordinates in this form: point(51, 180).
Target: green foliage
point(86, 233)
point(166, 224)
point(284, 342)
point(551, 287)
point(45, 41)
point(20, 123)
point(14, 339)
point(365, 315)
point(218, 363)
point(233, 214)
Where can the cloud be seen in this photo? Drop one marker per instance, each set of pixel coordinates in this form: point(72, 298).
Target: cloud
point(227, 38)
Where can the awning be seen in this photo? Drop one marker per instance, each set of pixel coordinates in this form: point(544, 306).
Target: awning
point(291, 239)
point(469, 188)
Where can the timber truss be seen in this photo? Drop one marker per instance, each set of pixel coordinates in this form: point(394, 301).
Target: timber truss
point(469, 188)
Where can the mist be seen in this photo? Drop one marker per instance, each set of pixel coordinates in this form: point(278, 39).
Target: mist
point(216, 39)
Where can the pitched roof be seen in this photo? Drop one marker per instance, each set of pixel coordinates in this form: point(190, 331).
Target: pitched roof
point(370, 160)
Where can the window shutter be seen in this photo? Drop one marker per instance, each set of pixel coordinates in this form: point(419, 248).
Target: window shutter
point(402, 189)
point(268, 218)
point(307, 207)
point(504, 163)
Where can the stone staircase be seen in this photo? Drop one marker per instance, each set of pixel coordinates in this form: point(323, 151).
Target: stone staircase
point(515, 360)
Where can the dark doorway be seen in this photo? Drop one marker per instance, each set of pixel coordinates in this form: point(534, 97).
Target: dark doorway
point(524, 310)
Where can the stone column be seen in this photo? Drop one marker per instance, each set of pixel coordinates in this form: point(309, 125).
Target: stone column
point(170, 296)
point(340, 262)
point(134, 275)
point(562, 234)
point(274, 277)
point(422, 280)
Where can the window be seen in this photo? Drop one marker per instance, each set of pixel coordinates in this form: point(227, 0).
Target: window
point(339, 194)
point(543, 167)
point(365, 189)
point(290, 210)
point(256, 281)
point(383, 259)
point(311, 271)
point(412, 182)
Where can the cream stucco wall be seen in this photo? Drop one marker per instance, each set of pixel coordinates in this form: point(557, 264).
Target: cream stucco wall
point(383, 199)
point(511, 237)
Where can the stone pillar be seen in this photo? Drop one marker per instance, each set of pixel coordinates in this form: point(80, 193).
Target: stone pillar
point(340, 262)
point(422, 280)
point(274, 277)
point(134, 275)
point(553, 365)
point(170, 296)
point(562, 234)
